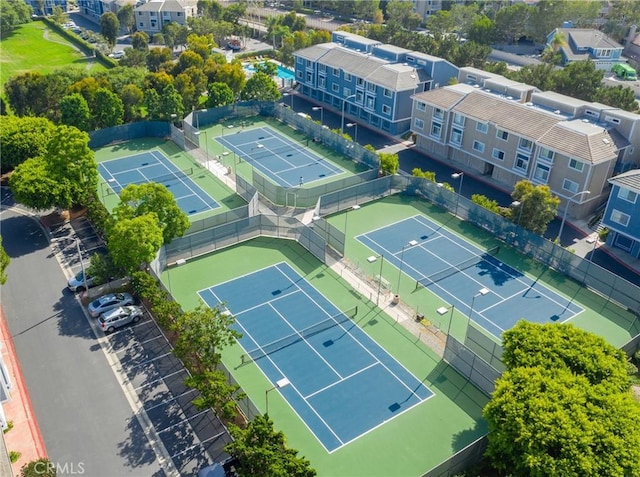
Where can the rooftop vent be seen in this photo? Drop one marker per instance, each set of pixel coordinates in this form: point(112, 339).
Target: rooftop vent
point(557, 111)
point(510, 97)
point(605, 140)
point(585, 120)
point(476, 85)
point(529, 104)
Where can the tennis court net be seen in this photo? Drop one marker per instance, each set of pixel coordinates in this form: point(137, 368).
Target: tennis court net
point(459, 267)
point(324, 325)
point(162, 179)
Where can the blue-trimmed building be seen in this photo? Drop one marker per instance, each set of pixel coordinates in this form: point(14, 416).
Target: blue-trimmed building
point(46, 7)
point(588, 44)
point(622, 215)
point(372, 81)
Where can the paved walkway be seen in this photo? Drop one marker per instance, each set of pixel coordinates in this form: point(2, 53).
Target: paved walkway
point(25, 437)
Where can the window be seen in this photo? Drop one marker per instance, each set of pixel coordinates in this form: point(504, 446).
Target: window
point(546, 154)
point(541, 173)
point(482, 127)
point(371, 102)
point(347, 77)
point(141, 25)
point(498, 154)
point(299, 74)
point(309, 77)
point(628, 195)
point(300, 60)
point(386, 109)
point(371, 87)
point(456, 136)
point(478, 146)
point(321, 81)
point(308, 63)
point(411, 59)
point(359, 97)
point(571, 186)
point(335, 87)
point(179, 14)
point(576, 165)
point(619, 217)
point(152, 14)
point(418, 123)
point(504, 135)
point(336, 72)
point(458, 119)
point(360, 82)
point(525, 144)
point(522, 162)
point(346, 92)
point(387, 93)
point(421, 106)
point(436, 130)
point(438, 113)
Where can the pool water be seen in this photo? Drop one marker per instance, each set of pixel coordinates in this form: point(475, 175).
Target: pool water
point(282, 73)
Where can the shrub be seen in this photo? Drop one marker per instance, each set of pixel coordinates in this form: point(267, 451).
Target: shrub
point(14, 456)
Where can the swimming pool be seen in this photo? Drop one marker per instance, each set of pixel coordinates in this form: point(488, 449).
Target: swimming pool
point(283, 73)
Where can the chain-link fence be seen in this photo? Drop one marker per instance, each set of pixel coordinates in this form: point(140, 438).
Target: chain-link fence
point(128, 132)
point(461, 460)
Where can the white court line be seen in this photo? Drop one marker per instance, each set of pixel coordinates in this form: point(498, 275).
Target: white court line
point(345, 378)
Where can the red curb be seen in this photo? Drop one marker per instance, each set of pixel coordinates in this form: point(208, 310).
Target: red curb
point(34, 428)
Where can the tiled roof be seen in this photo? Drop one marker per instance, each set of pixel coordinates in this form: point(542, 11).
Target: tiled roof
point(316, 51)
point(166, 6)
point(628, 180)
point(589, 38)
point(442, 97)
point(506, 114)
point(583, 140)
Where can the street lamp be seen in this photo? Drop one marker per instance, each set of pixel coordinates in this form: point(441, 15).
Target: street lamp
point(290, 95)
point(372, 259)
point(355, 134)
point(346, 216)
point(411, 243)
point(321, 109)
point(344, 102)
point(482, 292)
point(458, 175)
point(206, 142)
point(279, 384)
point(566, 208)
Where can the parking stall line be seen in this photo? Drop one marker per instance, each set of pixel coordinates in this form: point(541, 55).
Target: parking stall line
point(158, 380)
point(150, 339)
point(190, 391)
point(160, 431)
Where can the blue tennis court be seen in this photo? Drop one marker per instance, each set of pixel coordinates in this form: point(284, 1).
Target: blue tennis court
point(496, 295)
point(339, 381)
point(153, 166)
point(285, 162)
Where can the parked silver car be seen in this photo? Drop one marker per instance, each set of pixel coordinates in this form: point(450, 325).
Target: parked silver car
point(123, 315)
point(79, 283)
point(109, 302)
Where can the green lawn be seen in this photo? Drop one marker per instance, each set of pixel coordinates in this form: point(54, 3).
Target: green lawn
point(27, 48)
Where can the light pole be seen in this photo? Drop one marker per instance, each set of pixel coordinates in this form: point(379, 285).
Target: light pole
point(321, 109)
point(355, 134)
point(206, 142)
point(411, 243)
point(279, 384)
point(451, 307)
point(482, 292)
point(515, 204)
point(346, 215)
point(344, 102)
point(290, 95)
point(566, 208)
point(372, 259)
point(458, 175)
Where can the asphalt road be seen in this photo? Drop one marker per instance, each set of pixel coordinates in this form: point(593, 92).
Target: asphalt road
point(86, 420)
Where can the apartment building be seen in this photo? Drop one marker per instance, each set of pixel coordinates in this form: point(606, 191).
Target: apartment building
point(510, 131)
point(152, 16)
point(368, 80)
point(622, 215)
point(46, 7)
point(426, 8)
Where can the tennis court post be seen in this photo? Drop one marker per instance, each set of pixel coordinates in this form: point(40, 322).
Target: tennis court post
point(279, 384)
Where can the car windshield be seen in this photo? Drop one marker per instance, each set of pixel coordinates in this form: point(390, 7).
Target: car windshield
point(80, 276)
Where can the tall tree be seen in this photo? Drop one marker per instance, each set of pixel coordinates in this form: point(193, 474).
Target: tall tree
point(132, 99)
point(13, 14)
point(110, 27)
point(126, 17)
point(400, 14)
point(580, 79)
point(75, 112)
point(262, 452)
point(109, 109)
point(23, 138)
point(537, 206)
point(617, 96)
point(137, 200)
point(260, 87)
point(219, 95)
point(511, 21)
point(134, 242)
point(140, 41)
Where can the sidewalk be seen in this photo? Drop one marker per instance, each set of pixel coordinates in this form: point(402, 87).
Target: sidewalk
point(25, 437)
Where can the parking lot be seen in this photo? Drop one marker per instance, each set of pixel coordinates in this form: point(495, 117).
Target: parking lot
point(150, 375)
point(192, 437)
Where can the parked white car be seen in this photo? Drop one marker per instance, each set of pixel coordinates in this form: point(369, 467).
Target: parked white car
point(123, 315)
point(109, 302)
point(79, 283)
point(116, 55)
